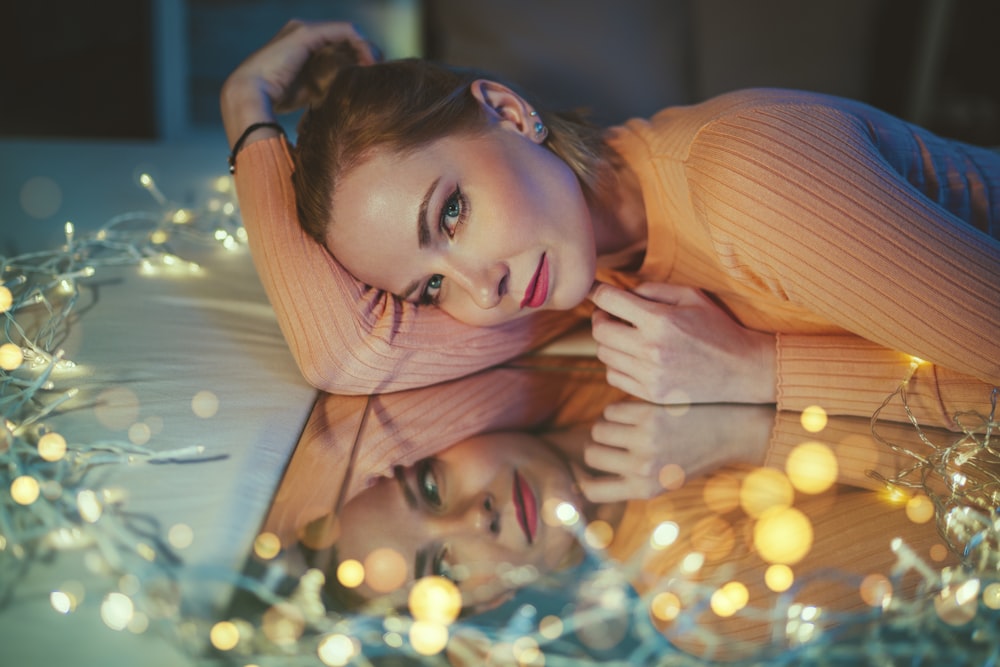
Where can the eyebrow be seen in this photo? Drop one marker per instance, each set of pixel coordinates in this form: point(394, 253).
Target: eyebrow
point(423, 234)
point(423, 229)
point(421, 555)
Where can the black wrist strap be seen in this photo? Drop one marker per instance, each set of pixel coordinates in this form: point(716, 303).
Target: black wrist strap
point(243, 137)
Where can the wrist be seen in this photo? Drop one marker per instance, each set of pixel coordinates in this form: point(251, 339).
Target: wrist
point(243, 102)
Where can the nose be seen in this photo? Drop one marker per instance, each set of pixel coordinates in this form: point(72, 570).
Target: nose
point(485, 284)
point(479, 516)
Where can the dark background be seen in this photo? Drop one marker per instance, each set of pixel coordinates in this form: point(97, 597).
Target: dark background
point(76, 69)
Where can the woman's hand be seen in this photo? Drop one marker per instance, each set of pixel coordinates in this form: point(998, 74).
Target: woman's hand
point(638, 450)
point(291, 71)
point(669, 344)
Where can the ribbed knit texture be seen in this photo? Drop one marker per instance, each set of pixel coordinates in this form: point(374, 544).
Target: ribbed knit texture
point(825, 221)
point(847, 231)
point(346, 337)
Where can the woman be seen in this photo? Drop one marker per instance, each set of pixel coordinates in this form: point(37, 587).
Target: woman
point(796, 248)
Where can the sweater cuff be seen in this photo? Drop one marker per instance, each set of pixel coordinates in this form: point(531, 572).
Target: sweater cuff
point(847, 375)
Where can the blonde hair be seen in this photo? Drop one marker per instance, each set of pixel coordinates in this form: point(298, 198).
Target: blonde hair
point(401, 106)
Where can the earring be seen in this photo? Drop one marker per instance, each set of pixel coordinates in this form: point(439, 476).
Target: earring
point(540, 130)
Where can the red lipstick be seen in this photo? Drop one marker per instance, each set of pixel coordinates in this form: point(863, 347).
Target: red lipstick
point(526, 506)
point(538, 288)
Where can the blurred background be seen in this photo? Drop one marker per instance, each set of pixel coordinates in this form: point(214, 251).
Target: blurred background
point(151, 69)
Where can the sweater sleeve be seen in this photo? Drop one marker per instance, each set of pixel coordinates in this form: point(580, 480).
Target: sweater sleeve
point(807, 210)
point(346, 337)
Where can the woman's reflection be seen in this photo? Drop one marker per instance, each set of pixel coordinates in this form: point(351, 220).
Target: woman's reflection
point(471, 511)
point(485, 513)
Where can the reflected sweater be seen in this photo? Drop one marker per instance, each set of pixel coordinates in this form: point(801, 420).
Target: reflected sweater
point(861, 241)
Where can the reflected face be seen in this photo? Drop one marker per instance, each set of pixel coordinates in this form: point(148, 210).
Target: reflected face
point(488, 227)
point(463, 514)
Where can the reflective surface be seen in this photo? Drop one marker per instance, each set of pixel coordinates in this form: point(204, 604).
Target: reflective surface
point(762, 536)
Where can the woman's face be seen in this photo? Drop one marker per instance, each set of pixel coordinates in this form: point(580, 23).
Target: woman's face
point(488, 227)
point(467, 514)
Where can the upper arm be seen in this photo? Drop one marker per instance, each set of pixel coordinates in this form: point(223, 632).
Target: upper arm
point(817, 211)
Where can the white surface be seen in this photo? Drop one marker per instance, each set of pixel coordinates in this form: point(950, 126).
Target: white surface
point(162, 338)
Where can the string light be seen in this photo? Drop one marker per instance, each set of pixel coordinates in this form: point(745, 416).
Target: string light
point(52, 508)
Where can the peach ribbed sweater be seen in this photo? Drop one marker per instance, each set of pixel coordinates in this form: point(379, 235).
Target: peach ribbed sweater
point(857, 238)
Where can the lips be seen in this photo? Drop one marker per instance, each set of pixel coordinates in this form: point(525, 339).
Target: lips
point(538, 288)
point(526, 506)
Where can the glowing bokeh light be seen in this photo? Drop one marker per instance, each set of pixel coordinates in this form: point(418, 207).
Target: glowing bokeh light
point(435, 600)
point(779, 577)
point(526, 652)
point(919, 509)
point(139, 433)
point(729, 599)
point(692, 563)
point(428, 638)
point(765, 489)
point(938, 552)
point(11, 356)
point(205, 404)
point(267, 546)
point(89, 506)
point(567, 514)
point(665, 606)
point(599, 534)
point(957, 605)
point(139, 623)
point(813, 419)
point(224, 635)
point(385, 570)
point(812, 467)
point(671, 477)
point(62, 601)
point(180, 536)
point(783, 535)
point(24, 490)
point(350, 573)
point(117, 610)
point(336, 650)
point(283, 624)
point(664, 535)
point(991, 596)
point(876, 590)
point(551, 627)
point(52, 446)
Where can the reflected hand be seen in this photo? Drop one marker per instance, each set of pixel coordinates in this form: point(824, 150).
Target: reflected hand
point(292, 70)
point(638, 449)
point(664, 343)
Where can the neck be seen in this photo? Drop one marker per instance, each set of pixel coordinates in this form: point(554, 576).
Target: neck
point(618, 213)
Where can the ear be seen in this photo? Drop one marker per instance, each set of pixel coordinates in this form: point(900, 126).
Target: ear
point(510, 109)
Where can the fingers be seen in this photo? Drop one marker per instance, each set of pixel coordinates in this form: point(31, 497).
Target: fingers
point(634, 306)
point(612, 460)
point(611, 488)
point(627, 412)
point(675, 295)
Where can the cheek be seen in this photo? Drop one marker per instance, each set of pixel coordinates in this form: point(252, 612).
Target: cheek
point(463, 309)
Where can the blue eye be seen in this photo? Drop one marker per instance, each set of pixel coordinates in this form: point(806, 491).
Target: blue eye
point(453, 213)
point(432, 290)
point(428, 484)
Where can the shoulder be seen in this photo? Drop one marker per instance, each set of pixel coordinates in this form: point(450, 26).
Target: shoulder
point(749, 117)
